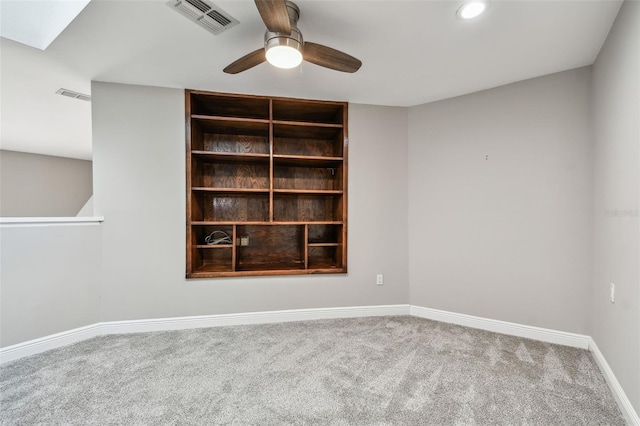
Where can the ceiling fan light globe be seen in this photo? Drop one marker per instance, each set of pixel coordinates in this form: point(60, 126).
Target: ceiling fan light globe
point(285, 50)
point(284, 56)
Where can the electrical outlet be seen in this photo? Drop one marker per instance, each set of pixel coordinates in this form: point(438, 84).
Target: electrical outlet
point(244, 241)
point(379, 279)
point(612, 292)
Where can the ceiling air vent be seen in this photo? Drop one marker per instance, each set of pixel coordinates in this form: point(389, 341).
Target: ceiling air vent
point(72, 94)
point(206, 14)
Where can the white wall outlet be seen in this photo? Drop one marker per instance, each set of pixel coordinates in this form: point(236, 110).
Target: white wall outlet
point(612, 292)
point(379, 279)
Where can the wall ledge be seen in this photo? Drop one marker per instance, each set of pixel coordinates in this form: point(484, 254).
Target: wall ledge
point(52, 221)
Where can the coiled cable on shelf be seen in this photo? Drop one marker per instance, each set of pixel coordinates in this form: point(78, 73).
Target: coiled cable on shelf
point(217, 237)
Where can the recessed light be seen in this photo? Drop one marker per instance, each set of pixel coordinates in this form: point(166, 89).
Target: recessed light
point(471, 9)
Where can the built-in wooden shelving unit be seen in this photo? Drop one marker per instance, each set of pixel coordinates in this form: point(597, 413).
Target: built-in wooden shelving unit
point(266, 185)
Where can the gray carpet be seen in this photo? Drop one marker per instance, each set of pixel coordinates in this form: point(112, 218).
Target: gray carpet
point(366, 371)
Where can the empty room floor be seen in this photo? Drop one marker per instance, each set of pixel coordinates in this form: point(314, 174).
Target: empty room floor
point(396, 370)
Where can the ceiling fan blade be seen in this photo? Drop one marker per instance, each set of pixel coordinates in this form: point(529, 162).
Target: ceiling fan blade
point(330, 58)
point(247, 61)
point(274, 15)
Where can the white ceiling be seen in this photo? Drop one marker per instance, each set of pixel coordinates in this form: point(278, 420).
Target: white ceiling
point(413, 52)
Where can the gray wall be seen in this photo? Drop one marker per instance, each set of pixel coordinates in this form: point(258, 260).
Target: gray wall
point(616, 185)
point(42, 185)
point(506, 237)
point(139, 175)
point(50, 276)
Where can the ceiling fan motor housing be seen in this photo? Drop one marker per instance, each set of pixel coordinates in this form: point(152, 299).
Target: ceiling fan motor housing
point(294, 39)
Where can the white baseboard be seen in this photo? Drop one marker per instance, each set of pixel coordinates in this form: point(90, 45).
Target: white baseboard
point(183, 323)
point(36, 346)
point(618, 393)
point(32, 347)
point(510, 328)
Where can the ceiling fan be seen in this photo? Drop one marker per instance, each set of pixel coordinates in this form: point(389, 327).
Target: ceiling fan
point(284, 46)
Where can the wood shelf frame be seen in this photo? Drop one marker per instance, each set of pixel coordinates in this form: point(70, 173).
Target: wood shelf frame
point(271, 173)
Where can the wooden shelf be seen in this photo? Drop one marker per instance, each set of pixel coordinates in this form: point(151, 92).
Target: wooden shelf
point(307, 124)
point(307, 160)
point(231, 125)
point(205, 270)
point(223, 223)
point(226, 119)
point(308, 111)
point(266, 191)
point(305, 131)
point(309, 222)
point(236, 157)
point(257, 267)
point(270, 223)
point(232, 190)
point(308, 191)
point(228, 105)
point(271, 173)
point(323, 266)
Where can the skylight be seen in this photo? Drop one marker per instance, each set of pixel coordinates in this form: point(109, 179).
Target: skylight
point(37, 23)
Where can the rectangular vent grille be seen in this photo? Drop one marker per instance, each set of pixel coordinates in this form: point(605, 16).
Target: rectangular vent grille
point(206, 14)
point(200, 5)
point(219, 18)
point(74, 95)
